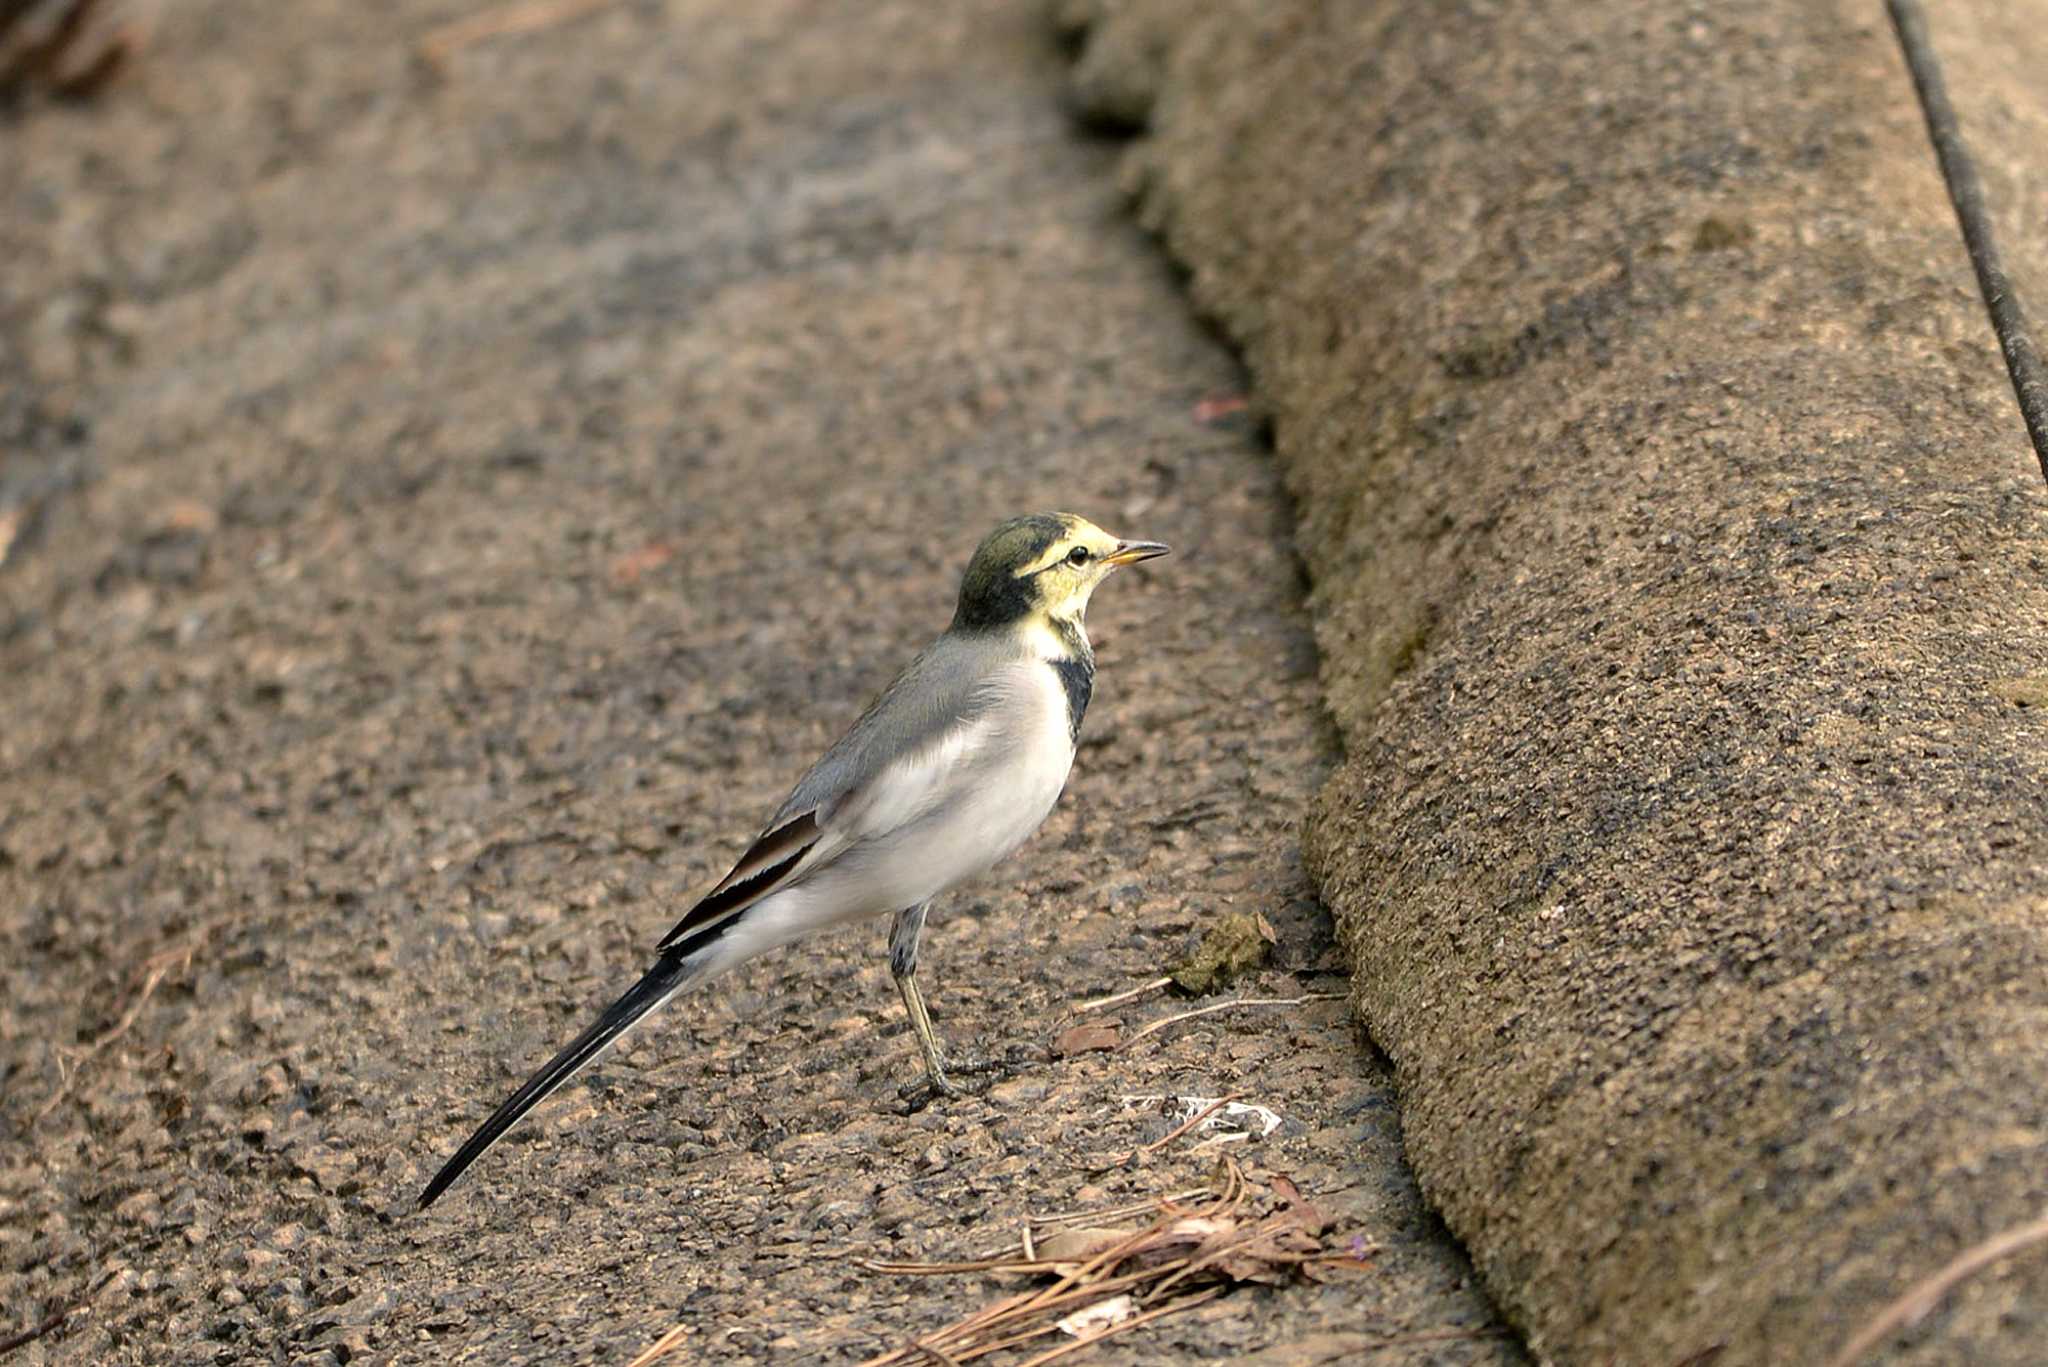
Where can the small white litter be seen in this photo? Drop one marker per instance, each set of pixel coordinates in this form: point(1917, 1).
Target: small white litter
point(1093, 1319)
point(1249, 1121)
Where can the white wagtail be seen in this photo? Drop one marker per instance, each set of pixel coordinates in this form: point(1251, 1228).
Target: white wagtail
point(949, 770)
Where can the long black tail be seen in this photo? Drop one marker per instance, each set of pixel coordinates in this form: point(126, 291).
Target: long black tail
point(668, 976)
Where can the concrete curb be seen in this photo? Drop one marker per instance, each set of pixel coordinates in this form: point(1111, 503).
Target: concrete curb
point(1679, 569)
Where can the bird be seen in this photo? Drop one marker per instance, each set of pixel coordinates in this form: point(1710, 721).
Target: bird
point(948, 771)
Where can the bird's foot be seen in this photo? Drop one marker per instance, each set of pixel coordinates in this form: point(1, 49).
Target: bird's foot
point(917, 1095)
point(978, 1067)
point(938, 1082)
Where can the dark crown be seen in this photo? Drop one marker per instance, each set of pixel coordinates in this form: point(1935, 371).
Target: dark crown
point(991, 594)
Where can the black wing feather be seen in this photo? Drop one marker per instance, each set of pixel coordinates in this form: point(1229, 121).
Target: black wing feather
point(765, 864)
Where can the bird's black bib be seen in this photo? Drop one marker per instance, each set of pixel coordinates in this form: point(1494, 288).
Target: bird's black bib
point(1077, 676)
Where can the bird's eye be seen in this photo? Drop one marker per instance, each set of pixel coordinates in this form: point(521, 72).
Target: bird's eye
point(1078, 556)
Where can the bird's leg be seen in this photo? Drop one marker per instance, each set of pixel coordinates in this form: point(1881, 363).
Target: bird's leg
point(904, 933)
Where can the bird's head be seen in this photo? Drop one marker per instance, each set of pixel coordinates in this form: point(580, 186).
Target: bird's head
point(1041, 567)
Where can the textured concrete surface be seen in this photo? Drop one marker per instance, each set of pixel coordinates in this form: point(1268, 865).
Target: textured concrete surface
point(445, 512)
point(1681, 577)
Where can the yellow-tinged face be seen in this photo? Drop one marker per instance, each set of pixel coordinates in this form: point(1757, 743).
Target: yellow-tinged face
point(1044, 565)
point(1067, 571)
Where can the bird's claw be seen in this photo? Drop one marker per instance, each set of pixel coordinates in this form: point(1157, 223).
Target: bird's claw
point(917, 1095)
point(978, 1067)
point(939, 1082)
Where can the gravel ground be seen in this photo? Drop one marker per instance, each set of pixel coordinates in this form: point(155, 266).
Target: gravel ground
point(445, 504)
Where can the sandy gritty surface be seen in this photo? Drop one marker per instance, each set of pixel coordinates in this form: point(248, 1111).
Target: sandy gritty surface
point(444, 511)
point(1681, 575)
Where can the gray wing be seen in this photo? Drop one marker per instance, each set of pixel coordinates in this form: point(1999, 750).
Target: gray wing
point(873, 778)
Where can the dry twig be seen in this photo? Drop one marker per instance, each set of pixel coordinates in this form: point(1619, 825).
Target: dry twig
point(662, 1346)
point(1921, 1298)
point(1111, 1273)
point(523, 16)
point(1184, 1303)
point(1214, 1007)
point(1119, 998)
point(1197, 1118)
point(1104, 1164)
point(153, 971)
point(1075, 1217)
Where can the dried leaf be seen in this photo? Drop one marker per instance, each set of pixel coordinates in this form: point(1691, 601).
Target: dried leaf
point(1198, 1229)
point(1303, 1211)
point(1295, 1242)
point(1073, 1247)
point(1183, 1259)
point(1249, 1267)
point(1217, 407)
point(627, 569)
point(1270, 1255)
point(1086, 1039)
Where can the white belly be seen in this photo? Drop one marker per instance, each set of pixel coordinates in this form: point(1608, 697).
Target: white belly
point(1016, 782)
point(999, 784)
